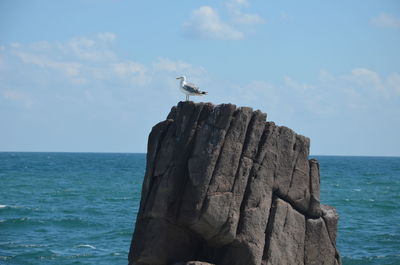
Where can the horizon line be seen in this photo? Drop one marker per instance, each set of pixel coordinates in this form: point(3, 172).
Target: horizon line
point(110, 152)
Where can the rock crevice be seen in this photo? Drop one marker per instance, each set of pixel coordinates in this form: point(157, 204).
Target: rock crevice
point(224, 186)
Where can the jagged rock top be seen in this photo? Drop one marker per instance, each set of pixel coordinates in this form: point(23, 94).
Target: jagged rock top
point(225, 186)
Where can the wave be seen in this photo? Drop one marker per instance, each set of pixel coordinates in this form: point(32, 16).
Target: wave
point(40, 254)
point(64, 222)
point(16, 222)
point(86, 246)
point(75, 222)
point(372, 260)
point(17, 208)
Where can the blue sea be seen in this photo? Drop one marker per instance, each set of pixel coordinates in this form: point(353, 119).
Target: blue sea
point(80, 208)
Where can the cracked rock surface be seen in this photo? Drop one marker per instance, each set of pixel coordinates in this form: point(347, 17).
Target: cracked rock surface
point(224, 186)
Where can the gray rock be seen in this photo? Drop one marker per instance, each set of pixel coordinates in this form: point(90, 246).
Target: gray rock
point(226, 187)
point(219, 197)
point(157, 242)
point(319, 249)
point(314, 209)
point(285, 235)
point(331, 219)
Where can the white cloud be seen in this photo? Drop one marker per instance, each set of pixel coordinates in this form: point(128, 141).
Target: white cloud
point(15, 45)
point(96, 49)
point(135, 72)
point(248, 19)
point(241, 2)
point(359, 90)
point(235, 7)
point(75, 63)
point(257, 91)
point(60, 65)
point(81, 60)
point(177, 67)
point(70, 69)
point(106, 36)
point(386, 20)
point(393, 82)
point(375, 84)
point(2, 60)
point(326, 77)
point(311, 97)
point(18, 97)
point(284, 16)
point(129, 68)
point(205, 23)
point(367, 78)
point(171, 66)
point(295, 85)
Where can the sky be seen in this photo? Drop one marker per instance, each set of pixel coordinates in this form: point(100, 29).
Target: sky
point(95, 76)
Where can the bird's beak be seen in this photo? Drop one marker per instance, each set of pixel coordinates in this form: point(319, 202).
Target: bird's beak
point(178, 78)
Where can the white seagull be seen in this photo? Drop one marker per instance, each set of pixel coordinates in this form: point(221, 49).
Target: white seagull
point(190, 89)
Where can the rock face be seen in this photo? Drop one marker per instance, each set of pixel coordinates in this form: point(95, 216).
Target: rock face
point(225, 187)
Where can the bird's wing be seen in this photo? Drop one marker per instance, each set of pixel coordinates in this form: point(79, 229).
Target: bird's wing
point(191, 88)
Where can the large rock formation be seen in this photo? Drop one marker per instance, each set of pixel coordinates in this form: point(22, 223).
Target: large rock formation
point(223, 186)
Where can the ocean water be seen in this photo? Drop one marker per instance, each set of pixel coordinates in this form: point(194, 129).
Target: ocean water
point(68, 208)
point(366, 193)
point(80, 208)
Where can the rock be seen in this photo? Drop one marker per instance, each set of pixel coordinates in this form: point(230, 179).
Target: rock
point(314, 209)
point(331, 219)
point(223, 186)
point(285, 238)
point(319, 249)
point(157, 241)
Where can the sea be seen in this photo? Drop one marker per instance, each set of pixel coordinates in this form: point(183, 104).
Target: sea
point(80, 208)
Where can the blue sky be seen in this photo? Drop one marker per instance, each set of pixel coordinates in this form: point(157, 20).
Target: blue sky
point(95, 76)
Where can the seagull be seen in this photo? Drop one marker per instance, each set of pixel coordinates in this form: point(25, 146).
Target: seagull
point(190, 89)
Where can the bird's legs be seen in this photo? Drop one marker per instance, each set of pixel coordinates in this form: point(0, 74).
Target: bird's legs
point(187, 97)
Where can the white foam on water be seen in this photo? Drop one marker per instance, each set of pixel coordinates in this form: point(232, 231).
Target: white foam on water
point(2, 206)
point(86, 246)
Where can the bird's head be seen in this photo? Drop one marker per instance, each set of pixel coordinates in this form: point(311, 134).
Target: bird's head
point(183, 78)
